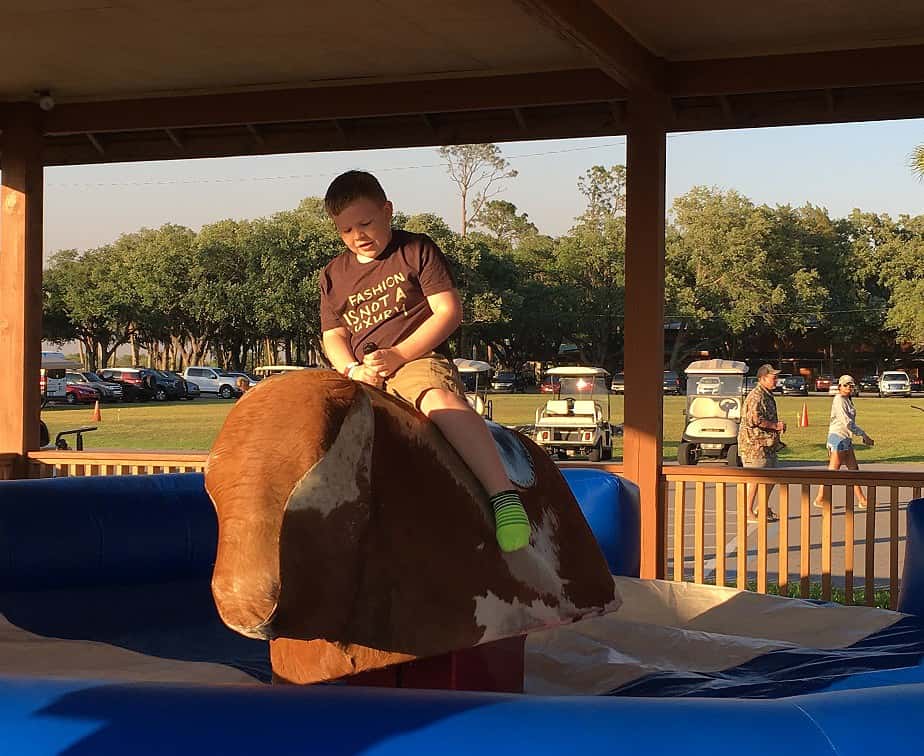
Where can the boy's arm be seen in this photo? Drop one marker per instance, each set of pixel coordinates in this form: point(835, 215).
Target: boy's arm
point(336, 343)
point(447, 314)
point(337, 348)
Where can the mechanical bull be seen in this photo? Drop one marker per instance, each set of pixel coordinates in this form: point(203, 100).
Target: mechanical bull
point(352, 535)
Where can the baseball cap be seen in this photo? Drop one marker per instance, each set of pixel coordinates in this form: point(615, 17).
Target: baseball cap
point(766, 370)
point(846, 380)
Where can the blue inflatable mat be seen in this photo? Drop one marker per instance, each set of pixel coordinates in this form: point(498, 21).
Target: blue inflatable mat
point(85, 719)
point(610, 506)
point(890, 656)
point(911, 597)
point(123, 566)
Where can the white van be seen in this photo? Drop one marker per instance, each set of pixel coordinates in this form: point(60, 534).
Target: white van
point(52, 381)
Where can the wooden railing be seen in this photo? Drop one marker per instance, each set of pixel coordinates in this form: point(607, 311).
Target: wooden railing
point(47, 464)
point(709, 538)
point(828, 552)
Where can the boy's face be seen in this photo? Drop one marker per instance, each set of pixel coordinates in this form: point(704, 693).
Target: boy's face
point(365, 227)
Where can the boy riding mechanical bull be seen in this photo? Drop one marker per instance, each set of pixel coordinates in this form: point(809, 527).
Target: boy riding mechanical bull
point(388, 304)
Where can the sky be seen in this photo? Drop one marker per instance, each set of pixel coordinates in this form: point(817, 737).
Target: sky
point(839, 167)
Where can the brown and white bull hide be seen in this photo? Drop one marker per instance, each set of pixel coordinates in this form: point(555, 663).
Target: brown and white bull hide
point(353, 536)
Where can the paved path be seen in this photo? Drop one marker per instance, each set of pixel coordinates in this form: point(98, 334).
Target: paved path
point(881, 549)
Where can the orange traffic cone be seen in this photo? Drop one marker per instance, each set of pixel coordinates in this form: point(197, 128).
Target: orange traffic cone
point(803, 420)
point(97, 416)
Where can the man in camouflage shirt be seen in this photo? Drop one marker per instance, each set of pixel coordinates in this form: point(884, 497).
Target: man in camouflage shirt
point(759, 433)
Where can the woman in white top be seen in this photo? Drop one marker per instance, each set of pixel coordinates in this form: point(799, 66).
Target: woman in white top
point(841, 430)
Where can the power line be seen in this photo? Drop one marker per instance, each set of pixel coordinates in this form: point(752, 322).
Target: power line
point(302, 176)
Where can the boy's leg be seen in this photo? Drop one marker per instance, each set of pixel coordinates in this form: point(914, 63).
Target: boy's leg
point(470, 437)
point(433, 385)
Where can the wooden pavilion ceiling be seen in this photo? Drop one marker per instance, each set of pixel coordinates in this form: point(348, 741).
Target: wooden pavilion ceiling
point(135, 80)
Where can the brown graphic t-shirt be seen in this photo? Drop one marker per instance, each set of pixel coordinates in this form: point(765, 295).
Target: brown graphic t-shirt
point(384, 301)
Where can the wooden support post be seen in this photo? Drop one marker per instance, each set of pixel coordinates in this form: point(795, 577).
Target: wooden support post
point(21, 174)
point(644, 307)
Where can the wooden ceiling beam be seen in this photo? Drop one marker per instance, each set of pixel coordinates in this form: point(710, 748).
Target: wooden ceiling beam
point(585, 120)
point(618, 53)
point(340, 102)
point(882, 66)
point(799, 108)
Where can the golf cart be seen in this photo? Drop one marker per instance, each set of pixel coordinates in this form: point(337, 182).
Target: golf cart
point(577, 420)
point(476, 375)
point(715, 395)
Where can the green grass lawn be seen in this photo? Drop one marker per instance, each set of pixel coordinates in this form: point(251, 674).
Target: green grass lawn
point(897, 428)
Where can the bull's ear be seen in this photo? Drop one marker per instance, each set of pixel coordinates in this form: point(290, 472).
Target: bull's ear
point(321, 547)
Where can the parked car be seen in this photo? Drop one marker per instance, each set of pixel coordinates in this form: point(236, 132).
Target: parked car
point(252, 380)
point(211, 380)
point(183, 389)
point(795, 385)
point(618, 386)
point(823, 382)
point(132, 382)
point(550, 385)
point(508, 380)
point(869, 383)
point(780, 378)
point(708, 384)
point(108, 392)
point(164, 385)
point(80, 393)
point(895, 383)
point(917, 384)
point(671, 383)
point(835, 390)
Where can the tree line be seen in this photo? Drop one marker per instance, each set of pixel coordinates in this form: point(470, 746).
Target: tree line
point(738, 275)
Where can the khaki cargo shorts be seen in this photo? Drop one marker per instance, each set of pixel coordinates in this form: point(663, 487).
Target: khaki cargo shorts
point(415, 378)
point(761, 462)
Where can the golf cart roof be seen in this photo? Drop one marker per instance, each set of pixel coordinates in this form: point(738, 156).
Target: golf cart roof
point(274, 369)
point(577, 372)
point(472, 366)
point(731, 367)
point(57, 361)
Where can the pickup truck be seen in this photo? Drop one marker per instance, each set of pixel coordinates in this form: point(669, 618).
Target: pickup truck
point(211, 380)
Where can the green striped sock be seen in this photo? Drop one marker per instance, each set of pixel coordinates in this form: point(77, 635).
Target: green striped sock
point(511, 521)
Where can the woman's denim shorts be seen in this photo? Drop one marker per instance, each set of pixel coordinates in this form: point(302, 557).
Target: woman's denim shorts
point(839, 444)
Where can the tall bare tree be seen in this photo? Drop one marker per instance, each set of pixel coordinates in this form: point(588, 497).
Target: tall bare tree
point(479, 171)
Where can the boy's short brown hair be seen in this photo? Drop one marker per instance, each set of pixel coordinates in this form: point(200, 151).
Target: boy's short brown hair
point(349, 187)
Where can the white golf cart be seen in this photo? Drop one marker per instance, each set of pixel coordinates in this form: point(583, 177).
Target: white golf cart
point(577, 421)
point(715, 395)
point(476, 375)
